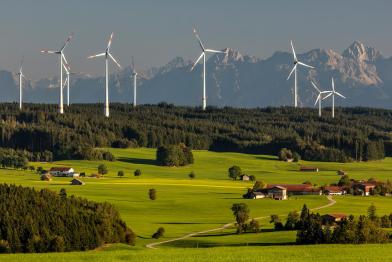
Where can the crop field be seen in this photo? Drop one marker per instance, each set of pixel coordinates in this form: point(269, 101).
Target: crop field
point(185, 205)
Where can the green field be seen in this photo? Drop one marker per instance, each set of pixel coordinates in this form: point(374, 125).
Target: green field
point(184, 206)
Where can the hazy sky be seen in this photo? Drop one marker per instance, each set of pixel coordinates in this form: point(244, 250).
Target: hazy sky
point(157, 31)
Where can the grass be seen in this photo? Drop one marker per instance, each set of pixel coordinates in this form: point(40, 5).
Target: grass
point(187, 205)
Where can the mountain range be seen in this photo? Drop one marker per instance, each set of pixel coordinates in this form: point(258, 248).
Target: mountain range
point(361, 73)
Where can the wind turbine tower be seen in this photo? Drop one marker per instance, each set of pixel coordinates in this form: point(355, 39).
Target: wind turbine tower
point(107, 55)
point(203, 55)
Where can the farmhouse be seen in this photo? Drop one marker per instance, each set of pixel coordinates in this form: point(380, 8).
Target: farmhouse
point(63, 172)
point(258, 195)
point(277, 192)
point(244, 177)
point(365, 188)
point(332, 218)
point(308, 169)
point(299, 189)
point(334, 190)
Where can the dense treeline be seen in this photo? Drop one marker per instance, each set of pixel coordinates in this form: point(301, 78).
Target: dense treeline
point(44, 221)
point(355, 134)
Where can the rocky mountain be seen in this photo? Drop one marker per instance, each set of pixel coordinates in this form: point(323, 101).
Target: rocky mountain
point(361, 73)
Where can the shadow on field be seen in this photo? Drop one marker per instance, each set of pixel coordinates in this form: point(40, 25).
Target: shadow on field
point(266, 158)
point(139, 161)
point(183, 223)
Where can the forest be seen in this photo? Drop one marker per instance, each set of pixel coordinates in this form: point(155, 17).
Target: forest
point(56, 222)
point(356, 134)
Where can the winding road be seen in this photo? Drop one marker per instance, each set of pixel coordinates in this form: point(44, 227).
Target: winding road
point(154, 245)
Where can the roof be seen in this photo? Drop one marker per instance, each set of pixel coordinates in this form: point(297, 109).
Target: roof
point(279, 187)
point(366, 184)
point(258, 193)
point(59, 168)
point(333, 188)
point(293, 187)
point(337, 215)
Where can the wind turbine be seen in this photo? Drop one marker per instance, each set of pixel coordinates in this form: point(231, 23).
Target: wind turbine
point(62, 60)
point(203, 55)
point(134, 75)
point(107, 54)
point(296, 63)
point(333, 93)
point(21, 76)
point(320, 96)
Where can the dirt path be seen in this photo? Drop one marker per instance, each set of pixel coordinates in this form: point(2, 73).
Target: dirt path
point(154, 245)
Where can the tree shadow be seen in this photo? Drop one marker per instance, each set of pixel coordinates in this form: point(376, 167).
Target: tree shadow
point(139, 161)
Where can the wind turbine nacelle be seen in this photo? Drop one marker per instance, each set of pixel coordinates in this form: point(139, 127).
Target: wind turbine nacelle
point(295, 62)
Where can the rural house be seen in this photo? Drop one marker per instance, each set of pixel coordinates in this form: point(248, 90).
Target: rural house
point(334, 190)
point(332, 218)
point(244, 177)
point(277, 192)
point(365, 188)
point(63, 172)
point(308, 169)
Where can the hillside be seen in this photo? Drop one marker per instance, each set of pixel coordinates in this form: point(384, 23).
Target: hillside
point(355, 134)
point(234, 79)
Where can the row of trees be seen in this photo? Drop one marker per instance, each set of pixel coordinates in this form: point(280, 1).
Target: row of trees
point(358, 134)
point(44, 221)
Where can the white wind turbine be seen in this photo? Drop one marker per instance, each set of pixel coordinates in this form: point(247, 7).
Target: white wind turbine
point(203, 55)
point(333, 93)
point(107, 54)
point(296, 63)
point(320, 96)
point(67, 69)
point(21, 76)
point(62, 61)
point(134, 76)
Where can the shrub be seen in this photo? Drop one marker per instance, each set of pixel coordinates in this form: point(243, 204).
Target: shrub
point(102, 169)
point(120, 173)
point(174, 155)
point(160, 232)
point(4, 246)
point(152, 193)
point(285, 154)
point(137, 172)
point(192, 175)
point(252, 178)
point(234, 172)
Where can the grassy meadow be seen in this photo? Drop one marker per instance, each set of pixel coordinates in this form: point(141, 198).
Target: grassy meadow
point(185, 205)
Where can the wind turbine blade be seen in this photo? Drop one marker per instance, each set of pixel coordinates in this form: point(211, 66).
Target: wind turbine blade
point(314, 85)
point(110, 41)
point(49, 52)
point(333, 85)
point(303, 64)
point(339, 94)
point(325, 97)
point(292, 70)
point(198, 39)
point(114, 60)
point(215, 51)
point(97, 55)
point(197, 61)
point(292, 48)
point(67, 41)
point(318, 98)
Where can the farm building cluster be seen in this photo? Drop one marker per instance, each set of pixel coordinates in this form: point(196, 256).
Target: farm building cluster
point(282, 191)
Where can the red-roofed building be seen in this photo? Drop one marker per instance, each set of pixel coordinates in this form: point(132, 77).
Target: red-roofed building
point(332, 218)
point(277, 192)
point(366, 188)
point(334, 190)
point(299, 189)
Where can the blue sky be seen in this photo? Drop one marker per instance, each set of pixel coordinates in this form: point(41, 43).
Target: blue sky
point(157, 31)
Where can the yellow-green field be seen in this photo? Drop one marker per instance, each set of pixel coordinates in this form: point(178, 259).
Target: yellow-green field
point(184, 206)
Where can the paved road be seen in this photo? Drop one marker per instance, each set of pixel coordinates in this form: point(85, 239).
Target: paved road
point(154, 245)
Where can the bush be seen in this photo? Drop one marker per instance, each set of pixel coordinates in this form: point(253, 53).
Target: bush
point(152, 193)
point(137, 172)
point(174, 155)
point(160, 232)
point(120, 173)
point(192, 175)
point(234, 172)
point(285, 154)
point(4, 246)
point(252, 178)
point(102, 169)
point(296, 157)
